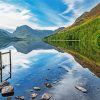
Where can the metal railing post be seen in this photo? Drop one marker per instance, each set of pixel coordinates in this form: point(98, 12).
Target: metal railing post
point(1, 65)
point(10, 63)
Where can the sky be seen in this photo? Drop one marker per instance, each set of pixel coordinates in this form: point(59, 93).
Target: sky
point(42, 14)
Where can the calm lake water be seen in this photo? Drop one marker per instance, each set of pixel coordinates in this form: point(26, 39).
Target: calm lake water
point(33, 63)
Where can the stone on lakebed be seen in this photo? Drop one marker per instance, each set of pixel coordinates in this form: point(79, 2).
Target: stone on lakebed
point(81, 89)
point(48, 85)
point(19, 98)
point(46, 96)
point(7, 91)
point(34, 95)
point(37, 88)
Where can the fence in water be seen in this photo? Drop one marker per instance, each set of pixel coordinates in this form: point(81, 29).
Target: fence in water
point(5, 66)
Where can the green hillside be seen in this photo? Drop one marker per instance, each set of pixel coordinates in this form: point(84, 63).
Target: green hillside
point(88, 31)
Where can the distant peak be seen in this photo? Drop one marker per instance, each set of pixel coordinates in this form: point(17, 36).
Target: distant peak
point(23, 26)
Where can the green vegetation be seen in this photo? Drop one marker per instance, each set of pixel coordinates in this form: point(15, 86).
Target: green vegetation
point(83, 32)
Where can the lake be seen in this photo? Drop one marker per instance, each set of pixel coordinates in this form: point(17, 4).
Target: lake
point(35, 62)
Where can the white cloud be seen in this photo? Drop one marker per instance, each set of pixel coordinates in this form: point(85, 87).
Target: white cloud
point(12, 16)
point(71, 7)
point(51, 14)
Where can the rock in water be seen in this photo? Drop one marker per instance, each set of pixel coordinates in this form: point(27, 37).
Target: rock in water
point(46, 96)
point(21, 98)
point(7, 91)
point(17, 97)
point(48, 85)
point(37, 88)
point(81, 89)
point(34, 95)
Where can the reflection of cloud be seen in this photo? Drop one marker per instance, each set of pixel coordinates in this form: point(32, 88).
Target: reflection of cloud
point(65, 90)
point(24, 60)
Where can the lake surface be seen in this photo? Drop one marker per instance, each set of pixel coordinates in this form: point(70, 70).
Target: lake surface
point(33, 63)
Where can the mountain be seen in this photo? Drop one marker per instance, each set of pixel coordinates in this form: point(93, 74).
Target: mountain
point(93, 13)
point(80, 19)
point(6, 37)
point(4, 33)
point(27, 32)
point(59, 29)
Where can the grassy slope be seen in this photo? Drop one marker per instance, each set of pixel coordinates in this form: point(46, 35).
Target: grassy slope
point(89, 30)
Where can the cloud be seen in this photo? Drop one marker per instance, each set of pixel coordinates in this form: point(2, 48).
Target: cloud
point(74, 6)
point(12, 16)
point(40, 15)
point(51, 14)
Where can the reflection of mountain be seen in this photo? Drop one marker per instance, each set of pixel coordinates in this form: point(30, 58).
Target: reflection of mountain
point(4, 34)
point(4, 44)
point(28, 46)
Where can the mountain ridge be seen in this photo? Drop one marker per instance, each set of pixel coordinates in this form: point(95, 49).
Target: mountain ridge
point(93, 13)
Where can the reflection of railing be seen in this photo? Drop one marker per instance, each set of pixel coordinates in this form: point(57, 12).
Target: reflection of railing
point(4, 66)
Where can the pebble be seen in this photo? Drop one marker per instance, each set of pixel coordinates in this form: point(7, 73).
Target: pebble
point(19, 97)
point(48, 85)
point(81, 89)
point(46, 96)
point(34, 95)
point(37, 88)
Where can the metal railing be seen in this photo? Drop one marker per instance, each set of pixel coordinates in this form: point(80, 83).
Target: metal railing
point(2, 67)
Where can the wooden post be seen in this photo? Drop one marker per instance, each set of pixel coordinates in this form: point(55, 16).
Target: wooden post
point(1, 65)
point(10, 63)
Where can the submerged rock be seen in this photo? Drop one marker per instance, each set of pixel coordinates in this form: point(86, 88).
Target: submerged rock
point(7, 91)
point(19, 98)
point(47, 79)
point(46, 96)
point(9, 98)
point(37, 88)
point(31, 90)
point(81, 89)
point(34, 95)
point(48, 85)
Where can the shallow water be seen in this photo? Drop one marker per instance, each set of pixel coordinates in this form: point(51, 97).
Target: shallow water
point(31, 67)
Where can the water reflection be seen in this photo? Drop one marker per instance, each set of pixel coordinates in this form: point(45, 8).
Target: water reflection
point(33, 68)
point(66, 87)
point(86, 53)
point(31, 61)
point(26, 46)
